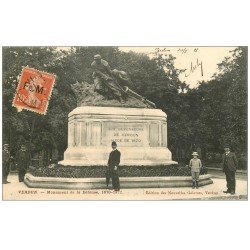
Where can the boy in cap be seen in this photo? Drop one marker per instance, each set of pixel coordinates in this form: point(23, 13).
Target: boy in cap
point(112, 169)
point(195, 165)
point(230, 163)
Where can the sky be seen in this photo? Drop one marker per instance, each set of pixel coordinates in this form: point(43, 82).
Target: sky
point(204, 60)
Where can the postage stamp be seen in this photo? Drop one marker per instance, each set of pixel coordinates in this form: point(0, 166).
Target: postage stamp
point(34, 90)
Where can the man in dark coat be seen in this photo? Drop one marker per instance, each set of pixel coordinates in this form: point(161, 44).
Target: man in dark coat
point(23, 161)
point(6, 163)
point(230, 164)
point(112, 168)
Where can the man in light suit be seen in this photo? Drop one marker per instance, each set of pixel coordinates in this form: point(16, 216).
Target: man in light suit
point(230, 165)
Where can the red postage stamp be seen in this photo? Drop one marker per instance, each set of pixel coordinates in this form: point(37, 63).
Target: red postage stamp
point(34, 90)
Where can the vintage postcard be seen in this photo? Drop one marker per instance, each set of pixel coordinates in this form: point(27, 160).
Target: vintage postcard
point(124, 123)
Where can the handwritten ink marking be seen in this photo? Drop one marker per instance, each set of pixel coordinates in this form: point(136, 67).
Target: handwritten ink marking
point(194, 67)
point(162, 50)
point(182, 51)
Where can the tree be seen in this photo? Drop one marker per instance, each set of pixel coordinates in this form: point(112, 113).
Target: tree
point(210, 115)
point(220, 106)
point(50, 131)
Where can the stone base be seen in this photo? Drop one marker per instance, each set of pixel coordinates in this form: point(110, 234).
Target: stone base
point(126, 182)
point(141, 136)
point(90, 156)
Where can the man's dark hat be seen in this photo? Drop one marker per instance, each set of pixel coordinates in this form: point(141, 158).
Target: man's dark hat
point(114, 143)
point(226, 146)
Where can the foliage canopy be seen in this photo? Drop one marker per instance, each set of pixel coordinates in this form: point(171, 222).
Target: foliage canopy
point(210, 115)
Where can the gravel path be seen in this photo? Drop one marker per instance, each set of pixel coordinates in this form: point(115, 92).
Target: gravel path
point(19, 191)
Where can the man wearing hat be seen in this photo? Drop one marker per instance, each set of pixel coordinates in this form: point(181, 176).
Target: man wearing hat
point(195, 165)
point(23, 161)
point(112, 168)
point(6, 163)
point(230, 164)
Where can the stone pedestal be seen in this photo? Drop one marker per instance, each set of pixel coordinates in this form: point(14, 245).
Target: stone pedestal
point(141, 136)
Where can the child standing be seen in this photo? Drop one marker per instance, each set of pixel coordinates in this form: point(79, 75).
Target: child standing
point(195, 165)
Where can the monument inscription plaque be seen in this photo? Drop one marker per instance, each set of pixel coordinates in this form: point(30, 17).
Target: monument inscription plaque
point(125, 134)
